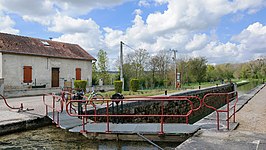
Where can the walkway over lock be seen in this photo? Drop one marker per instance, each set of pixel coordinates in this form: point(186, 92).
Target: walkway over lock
point(65, 115)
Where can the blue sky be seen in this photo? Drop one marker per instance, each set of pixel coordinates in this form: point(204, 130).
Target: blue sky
point(223, 31)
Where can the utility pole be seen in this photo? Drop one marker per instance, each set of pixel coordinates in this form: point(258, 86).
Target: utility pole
point(174, 58)
point(121, 64)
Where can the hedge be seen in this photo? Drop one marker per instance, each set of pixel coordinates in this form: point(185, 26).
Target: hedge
point(118, 86)
point(134, 85)
point(80, 84)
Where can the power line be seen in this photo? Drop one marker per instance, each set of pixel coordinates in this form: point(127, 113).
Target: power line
point(129, 46)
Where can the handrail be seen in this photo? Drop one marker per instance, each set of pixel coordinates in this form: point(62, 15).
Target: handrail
point(53, 106)
point(229, 97)
point(19, 108)
point(154, 99)
point(8, 104)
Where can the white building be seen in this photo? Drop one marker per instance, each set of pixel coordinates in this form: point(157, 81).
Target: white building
point(27, 63)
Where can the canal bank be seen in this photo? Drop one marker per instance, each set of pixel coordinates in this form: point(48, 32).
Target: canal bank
point(249, 134)
point(31, 116)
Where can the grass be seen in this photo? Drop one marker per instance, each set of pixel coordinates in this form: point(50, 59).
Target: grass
point(161, 91)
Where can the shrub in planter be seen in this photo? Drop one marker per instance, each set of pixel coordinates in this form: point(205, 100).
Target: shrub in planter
point(134, 85)
point(118, 86)
point(80, 84)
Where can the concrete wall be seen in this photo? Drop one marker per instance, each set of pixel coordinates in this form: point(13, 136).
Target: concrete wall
point(1, 86)
point(177, 107)
point(41, 70)
point(1, 65)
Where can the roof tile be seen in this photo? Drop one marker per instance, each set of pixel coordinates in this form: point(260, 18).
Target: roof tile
point(32, 46)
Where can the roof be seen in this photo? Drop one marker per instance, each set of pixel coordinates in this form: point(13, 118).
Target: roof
point(15, 44)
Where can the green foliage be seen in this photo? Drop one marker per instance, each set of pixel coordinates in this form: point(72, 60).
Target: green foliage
point(94, 74)
point(118, 86)
point(134, 85)
point(80, 84)
point(198, 68)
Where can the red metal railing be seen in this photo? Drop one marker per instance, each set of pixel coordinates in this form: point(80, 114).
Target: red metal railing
point(228, 98)
point(160, 100)
point(21, 108)
point(56, 105)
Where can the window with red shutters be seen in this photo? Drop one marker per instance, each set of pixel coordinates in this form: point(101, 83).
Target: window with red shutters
point(27, 74)
point(78, 73)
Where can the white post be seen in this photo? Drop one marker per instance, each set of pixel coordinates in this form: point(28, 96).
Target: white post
point(121, 64)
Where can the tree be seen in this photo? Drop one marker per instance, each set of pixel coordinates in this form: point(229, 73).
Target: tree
point(138, 61)
point(210, 73)
point(94, 74)
point(102, 66)
point(198, 68)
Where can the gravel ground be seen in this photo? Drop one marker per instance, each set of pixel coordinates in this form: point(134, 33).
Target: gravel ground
point(252, 116)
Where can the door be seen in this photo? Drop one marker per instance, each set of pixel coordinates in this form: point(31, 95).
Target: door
point(55, 77)
point(78, 73)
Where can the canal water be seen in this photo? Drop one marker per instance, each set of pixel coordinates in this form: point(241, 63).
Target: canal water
point(247, 87)
point(52, 138)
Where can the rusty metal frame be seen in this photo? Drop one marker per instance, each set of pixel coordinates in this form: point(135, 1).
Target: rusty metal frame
point(55, 108)
point(228, 99)
point(160, 99)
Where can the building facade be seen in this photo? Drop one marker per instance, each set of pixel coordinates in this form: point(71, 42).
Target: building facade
point(35, 63)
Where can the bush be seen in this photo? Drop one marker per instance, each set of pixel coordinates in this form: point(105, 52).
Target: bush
point(118, 86)
point(80, 84)
point(134, 85)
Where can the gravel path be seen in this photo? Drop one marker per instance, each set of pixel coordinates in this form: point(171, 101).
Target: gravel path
point(252, 116)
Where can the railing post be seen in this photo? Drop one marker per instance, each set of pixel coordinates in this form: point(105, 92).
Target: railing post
point(107, 117)
point(58, 120)
point(53, 106)
point(218, 120)
point(227, 97)
point(83, 125)
point(46, 107)
point(162, 112)
point(95, 113)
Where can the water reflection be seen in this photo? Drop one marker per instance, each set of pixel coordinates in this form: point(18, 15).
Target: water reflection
point(52, 138)
point(247, 87)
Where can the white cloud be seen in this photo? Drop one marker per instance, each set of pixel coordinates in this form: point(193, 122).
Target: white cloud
point(198, 41)
point(138, 12)
point(43, 11)
point(182, 26)
point(7, 25)
point(30, 10)
point(80, 7)
point(68, 25)
point(144, 3)
point(112, 37)
point(252, 6)
point(86, 33)
point(253, 37)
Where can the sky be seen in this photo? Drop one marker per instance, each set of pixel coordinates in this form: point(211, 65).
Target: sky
point(222, 31)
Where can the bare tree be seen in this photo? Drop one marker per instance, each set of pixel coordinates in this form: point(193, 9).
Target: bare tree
point(138, 60)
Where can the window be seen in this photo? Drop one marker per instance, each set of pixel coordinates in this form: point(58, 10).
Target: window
point(78, 73)
point(45, 43)
point(27, 75)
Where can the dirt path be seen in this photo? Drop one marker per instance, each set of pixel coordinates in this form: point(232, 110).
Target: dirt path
point(252, 117)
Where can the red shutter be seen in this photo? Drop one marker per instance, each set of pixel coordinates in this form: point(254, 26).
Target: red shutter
point(78, 73)
point(27, 74)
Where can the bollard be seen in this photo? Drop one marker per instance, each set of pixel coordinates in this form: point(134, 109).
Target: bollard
point(115, 97)
point(165, 92)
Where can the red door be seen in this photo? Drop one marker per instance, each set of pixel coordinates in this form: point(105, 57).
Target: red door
point(78, 73)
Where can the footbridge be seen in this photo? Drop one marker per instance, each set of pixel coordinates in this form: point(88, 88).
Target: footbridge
point(120, 119)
